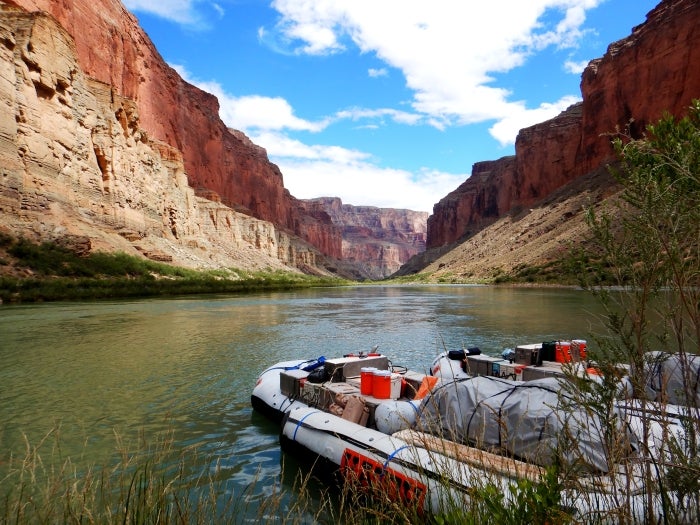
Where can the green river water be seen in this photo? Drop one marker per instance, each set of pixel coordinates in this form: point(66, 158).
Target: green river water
point(87, 372)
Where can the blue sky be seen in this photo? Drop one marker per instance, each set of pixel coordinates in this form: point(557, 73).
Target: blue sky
point(385, 102)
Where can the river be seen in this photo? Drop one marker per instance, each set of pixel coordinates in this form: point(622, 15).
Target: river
point(87, 372)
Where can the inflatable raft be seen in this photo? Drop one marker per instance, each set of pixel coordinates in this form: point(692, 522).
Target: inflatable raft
point(428, 439)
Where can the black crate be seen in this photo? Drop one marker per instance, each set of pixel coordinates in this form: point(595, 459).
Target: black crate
point(549, 351)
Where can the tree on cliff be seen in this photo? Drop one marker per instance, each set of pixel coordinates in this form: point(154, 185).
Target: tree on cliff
point(647, 275)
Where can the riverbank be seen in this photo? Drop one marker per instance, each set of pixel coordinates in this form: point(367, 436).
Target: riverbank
point(31, 272)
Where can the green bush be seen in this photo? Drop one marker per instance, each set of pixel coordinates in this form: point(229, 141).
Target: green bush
point(643, 265)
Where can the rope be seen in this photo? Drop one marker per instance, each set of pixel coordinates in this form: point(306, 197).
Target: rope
point(391, 456)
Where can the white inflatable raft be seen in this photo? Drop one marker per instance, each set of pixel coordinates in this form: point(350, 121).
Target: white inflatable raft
point(427, 470)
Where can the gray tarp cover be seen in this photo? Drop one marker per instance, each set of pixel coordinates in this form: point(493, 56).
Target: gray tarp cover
point(673, 378)
point(524, 419)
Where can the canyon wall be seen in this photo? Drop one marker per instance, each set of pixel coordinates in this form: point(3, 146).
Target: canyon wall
point(376, 241)
point(112, 48)
point(639, 78)
point(76, 164)
point(482, 198)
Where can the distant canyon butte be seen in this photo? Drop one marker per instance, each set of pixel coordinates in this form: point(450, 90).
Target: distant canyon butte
point(103, 144)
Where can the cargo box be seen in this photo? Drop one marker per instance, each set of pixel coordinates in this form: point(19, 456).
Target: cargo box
point(413, 382)
point(539, 372)
point(331, 390)
point(528, 354)
point(291, 381)
point(496, 367)
point(311, 393)
point(322, 395)
point(513, 371)
point(344, 367)
point(481, 365)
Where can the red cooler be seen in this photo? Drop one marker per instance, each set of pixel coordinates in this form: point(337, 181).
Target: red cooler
point(367, 380)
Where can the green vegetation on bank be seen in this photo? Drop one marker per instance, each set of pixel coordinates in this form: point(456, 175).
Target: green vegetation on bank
point(54, 273)
point(561, 272)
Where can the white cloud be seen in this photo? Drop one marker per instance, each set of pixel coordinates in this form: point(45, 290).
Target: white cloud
point(313, 23)
point(375, 73)
point(506, 129)
point(362, 183)
point(253, 112)
point(219, 10)
point(281, 146)
point(400, 117)
point(449, 59)
point(448, 51)
point(321, 170)
point(311, 171)
point(189, 13)
point(575, 68)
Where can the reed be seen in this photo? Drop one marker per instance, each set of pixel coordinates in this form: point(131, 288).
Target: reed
point(646, 246)
point(150, 482)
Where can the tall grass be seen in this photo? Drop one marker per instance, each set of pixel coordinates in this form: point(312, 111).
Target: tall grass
point(646, 245)
point(153, 482)
point(150, 483)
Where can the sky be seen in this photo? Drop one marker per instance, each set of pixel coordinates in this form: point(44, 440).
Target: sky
point(385, 103)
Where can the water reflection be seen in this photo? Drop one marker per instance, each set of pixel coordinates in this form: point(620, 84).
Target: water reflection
point(187, 366)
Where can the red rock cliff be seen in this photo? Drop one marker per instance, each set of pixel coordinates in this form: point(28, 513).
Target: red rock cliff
point(651, 71)
point(376, 241)
point(113, 48)
point(77, 169)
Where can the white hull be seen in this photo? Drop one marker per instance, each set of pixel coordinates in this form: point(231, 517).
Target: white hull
point(267, 397)
point(421, 471)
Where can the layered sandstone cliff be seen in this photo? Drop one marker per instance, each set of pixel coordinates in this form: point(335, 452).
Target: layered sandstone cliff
point(640, 77)
point(76, 162)
point(112, 48)
point(376, 241)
